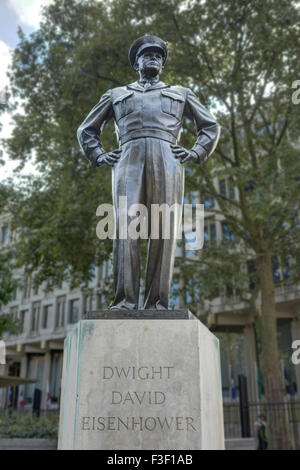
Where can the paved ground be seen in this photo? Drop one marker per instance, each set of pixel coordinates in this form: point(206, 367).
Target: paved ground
point(45, 444)
point(240, 444)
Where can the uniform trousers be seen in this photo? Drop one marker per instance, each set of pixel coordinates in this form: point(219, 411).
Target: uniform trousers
point(147, 173)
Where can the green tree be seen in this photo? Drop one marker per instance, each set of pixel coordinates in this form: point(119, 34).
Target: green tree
point(8, 283)
point(7, 286)
point(8, 324)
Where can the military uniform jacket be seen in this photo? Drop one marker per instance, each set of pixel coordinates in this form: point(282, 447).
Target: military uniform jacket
point(156, 111)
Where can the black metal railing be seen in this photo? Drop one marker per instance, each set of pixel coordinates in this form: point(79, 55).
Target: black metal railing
point(236, 414)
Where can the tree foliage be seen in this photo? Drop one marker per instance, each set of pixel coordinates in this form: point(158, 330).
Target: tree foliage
point(7, 282)
point(7, 286)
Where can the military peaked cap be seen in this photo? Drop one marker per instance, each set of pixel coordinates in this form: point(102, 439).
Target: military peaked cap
point(147, 42)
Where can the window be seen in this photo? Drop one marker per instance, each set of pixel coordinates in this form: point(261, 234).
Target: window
point(229, 290)
point(104, 270)
point(49, 285)
point(56, 369)
point(208, 202)
point(286, 272)
point(251, 269)
point(60, 312)
point(191, 197)
point(35, 370)
point(4, 235)
point(226, 188)
point(275, 269)
point(249, 186)
point(190, 238)
point(35, 289)
point(86, 304)
point(74, 311)
point(222, 187)
point(14, 312)
point(263, 130)
point(92, 271)
point(174, 294)
point(22, 319)
point(99, 301)
point(14, 293)
point(227, 234)
point(210, 233)
point(230, 287)
point(48, 309)
point(26, 288)
point(99, 270)
point(109, 267)
point(191, 292)
point(231, 192)
point(35, 317)
point(280, 268)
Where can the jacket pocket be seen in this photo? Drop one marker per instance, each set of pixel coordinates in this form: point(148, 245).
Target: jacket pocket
point(172, 103)
point(123, 105)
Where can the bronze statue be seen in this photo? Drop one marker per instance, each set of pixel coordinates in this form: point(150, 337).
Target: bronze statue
point(148, 168)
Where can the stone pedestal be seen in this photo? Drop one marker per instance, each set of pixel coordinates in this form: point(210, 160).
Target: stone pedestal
point(149, 380)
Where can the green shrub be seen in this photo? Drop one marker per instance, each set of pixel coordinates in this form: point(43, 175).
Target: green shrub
point(27, 426)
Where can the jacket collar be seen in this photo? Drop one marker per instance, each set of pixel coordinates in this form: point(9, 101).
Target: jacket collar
point(138, 87)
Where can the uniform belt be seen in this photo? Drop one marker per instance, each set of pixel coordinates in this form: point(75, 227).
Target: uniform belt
point(148, 132)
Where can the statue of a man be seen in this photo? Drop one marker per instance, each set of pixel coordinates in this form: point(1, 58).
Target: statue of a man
point(148, 168)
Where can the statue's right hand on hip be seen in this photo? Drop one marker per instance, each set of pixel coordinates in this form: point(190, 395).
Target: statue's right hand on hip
point(109, 158)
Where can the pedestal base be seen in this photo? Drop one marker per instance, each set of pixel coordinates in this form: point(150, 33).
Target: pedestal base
point(141, 383)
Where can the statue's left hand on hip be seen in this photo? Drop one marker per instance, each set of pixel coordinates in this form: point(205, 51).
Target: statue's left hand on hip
point(184, 154)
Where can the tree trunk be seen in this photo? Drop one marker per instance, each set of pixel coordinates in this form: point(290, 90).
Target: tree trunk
point(272, 376)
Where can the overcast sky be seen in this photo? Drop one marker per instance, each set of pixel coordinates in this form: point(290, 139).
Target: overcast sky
point(14, 13)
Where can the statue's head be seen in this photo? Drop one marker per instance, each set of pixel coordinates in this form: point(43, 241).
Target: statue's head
point(148, 53)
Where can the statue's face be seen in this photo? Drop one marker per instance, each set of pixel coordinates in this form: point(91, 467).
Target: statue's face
point(150, 61)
